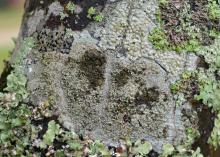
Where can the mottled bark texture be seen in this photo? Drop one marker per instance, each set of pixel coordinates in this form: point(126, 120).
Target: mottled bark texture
point(105, 78)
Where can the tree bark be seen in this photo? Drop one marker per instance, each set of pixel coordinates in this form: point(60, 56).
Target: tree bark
point(105, 79)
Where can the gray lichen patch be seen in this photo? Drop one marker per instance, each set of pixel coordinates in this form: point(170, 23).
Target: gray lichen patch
point(109, 109)
point(32, 5)
point(128, 25)
point(110, 115)
point(38, 14)
point(34, 21)
point(111, 83)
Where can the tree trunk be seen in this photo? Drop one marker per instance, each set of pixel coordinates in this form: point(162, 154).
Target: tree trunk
point(102, 76)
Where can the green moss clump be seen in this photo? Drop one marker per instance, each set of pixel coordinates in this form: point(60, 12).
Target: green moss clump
point(95, 15)
point(158, 38)
point(213, 9)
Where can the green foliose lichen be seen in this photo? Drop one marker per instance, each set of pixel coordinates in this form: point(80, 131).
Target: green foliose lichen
point(213, 9)
point(208, 84)
point(94, 14)
point(181, 28)
point(214, 139)
point(184, 149)
point(25, 46)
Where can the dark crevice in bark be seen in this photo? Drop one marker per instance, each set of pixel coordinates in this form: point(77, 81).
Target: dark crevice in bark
point(153, 154)
point(53, 22)
point(3, 79)
point(206, 124)
point(201, 63)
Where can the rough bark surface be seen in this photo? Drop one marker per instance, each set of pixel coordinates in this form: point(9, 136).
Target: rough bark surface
point(106, 79)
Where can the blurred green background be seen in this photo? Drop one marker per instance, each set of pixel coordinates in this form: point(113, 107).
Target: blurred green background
point(10, 19)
